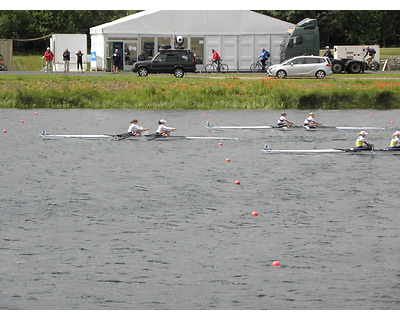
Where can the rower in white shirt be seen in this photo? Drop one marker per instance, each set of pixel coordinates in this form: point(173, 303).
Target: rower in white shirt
point(310, 122)
point(135, 129)
point(163, 129)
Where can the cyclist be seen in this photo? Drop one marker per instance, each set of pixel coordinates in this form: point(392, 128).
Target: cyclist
point(371, 55)
point(264, 57)
point(216, 58)
point(328, 53)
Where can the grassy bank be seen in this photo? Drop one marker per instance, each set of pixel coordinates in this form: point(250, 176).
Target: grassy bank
point(130, 91)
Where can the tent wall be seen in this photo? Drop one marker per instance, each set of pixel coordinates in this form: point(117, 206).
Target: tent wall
point(74, 42)
point(238, 35)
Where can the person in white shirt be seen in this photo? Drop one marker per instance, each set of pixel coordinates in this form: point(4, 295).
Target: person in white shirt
point(283, 122)
point(163, 129)
point(135, 129)
point(310, 122)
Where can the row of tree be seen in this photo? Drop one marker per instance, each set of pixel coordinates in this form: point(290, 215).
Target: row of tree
point(337, 27)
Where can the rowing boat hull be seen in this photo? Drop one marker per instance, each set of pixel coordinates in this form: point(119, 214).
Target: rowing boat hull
point(131, 137)
point(343, 151)
point(289, 128)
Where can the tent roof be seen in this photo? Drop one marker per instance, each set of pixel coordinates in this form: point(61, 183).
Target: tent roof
point(194, 22)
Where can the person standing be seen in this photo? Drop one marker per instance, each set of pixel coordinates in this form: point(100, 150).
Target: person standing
point(116, 59)
point(49, 56)
point(66, 59)
point(216, 58)
point(79, 57)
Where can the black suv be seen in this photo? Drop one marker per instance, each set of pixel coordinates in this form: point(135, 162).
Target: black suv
point(174, 61)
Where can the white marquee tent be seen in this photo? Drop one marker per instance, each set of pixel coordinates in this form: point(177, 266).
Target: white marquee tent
point(238, 35)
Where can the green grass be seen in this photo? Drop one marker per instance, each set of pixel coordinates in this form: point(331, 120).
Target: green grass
point(27, 63)
point(167, 92)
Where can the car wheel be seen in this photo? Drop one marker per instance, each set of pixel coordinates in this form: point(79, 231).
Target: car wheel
point(281, 74)
point(179, 72)
point(320, 74)
point(143, 72)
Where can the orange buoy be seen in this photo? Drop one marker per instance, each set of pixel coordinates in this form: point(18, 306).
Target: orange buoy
point(275, 263)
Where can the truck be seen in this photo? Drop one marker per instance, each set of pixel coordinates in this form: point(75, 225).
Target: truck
point(303, 39)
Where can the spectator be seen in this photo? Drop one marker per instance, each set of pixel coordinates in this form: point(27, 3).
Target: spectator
point(79, 56)
point(66, 59)
point(49, 56)
point(116, 59)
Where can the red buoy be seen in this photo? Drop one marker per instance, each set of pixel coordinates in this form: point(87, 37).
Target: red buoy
point(237, 182)
point(228, 160)
point(22, 121)
point(254, 214)
point(276, 263)
point(4, 131)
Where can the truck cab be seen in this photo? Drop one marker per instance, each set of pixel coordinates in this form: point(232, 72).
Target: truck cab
point(303, 39)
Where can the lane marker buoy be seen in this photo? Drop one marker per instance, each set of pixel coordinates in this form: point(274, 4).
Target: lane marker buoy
point(275, 263)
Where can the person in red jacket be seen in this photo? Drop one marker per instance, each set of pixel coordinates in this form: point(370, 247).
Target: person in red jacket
point(49, 56)
point(216, 58)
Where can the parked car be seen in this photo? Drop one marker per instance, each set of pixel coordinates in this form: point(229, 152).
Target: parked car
point(302, 66)
point(175, 61)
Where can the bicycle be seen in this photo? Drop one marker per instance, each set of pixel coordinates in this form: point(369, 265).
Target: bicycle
point(213, 67)
point(258, 67)
point(374, 65)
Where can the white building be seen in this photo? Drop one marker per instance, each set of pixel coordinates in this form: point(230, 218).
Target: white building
point(237, 35)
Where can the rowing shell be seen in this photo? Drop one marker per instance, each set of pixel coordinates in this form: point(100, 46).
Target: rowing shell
point(347, 151)
point(211, 127)
point(130, 137)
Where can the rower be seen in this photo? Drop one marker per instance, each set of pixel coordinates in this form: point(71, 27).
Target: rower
point(135, 129)
point(163, 129)
point(395, 142)
point(360, 142)
point(310, 123)
point(283, 122)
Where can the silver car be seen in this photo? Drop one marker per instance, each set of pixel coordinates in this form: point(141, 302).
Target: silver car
point(302, 66)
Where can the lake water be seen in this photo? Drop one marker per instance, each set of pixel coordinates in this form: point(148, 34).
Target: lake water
point(136, 225)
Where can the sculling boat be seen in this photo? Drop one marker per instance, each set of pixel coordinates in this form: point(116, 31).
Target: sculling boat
point(123, 136)
point(334, 150)
point(211, 127)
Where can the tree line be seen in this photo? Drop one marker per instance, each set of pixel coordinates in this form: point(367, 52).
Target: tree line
point(337, 27)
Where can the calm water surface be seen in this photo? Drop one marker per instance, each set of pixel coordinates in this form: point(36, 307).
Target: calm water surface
point(161, 224)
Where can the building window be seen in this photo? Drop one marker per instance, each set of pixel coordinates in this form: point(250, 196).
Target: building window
point(197, 47)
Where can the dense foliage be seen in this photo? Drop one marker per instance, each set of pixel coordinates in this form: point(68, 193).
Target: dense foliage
point(337, 27)
point(32, 24)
